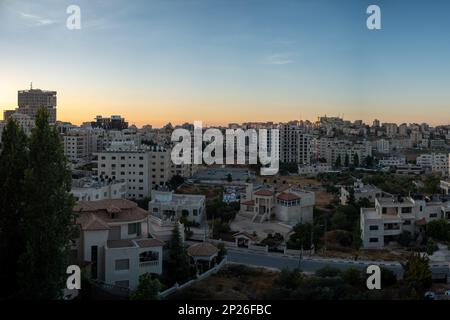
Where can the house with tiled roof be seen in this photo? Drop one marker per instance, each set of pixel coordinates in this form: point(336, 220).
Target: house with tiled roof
point(114, 244)
point(284, 203)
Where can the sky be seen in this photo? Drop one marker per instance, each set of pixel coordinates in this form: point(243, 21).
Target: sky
point(221, 61)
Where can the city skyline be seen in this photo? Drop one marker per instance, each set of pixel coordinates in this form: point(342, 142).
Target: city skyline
point(221, 62)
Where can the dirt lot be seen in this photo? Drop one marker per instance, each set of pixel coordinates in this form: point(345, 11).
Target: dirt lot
point(387, 255)
point(234, 282)
point(211, 192)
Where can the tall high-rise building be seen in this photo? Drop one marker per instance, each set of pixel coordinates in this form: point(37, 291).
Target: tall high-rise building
point(29, 102)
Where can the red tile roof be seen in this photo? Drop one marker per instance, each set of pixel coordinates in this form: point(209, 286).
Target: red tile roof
point(249, 202)
point(287, 196)
point(95, 215)
point(264, 192)
point(203, 249)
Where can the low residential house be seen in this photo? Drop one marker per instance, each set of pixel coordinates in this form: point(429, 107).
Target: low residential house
point(445, 187)
point(166, 209)
point(393, 215)
point(287, 204)
point(359, 190)
point(203, 255)
point(91, 189)
point(114, 242)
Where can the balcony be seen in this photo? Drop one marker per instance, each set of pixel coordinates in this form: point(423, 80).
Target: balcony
point(146, 264)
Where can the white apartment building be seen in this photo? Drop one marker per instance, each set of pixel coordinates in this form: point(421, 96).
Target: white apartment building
point(169, 206)
point(391, 129)
point(392, 161)
point(393, 215)
point(383, 146)
point(331, 150)
point(114, 242)
point(288, 204)
point(91, 189)
point(295, 145)
point(77, 144)
point(314, 169)
point(445, 187)
point(143, 169)
point(166, 208)
point(436, 162)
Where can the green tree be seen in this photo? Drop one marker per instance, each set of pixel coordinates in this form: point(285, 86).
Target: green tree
point(438, 230)
point(338, 162)
point(388, 277)
point(175, 182)
point(369, 161)
point(49, 219)
point(13, 161)
point(356, 160)
point(148, 288)
point(178, 266)
point(346, 161)
point(352, 276)
point(405, 238)
point(417, 272)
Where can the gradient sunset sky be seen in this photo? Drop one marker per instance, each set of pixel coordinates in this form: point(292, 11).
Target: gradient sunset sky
point(220, 61)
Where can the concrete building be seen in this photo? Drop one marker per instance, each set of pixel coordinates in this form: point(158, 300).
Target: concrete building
point(287, 204)
point(314, 169)
point(392, 161)
point(143, 169)
point(114, 242)
point(295, 145)
point(29, 102)
point(383, 146)
point(166, 209)
point(360, 191)
point(445, 187)
point(168, 206)
point(435, 162)
point(393, 215)
point(91, 189)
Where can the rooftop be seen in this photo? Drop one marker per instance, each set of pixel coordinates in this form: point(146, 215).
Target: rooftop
point(203, 249)
point(96, 215)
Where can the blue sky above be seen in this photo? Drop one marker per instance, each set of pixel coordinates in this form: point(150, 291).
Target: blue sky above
point(231, 60)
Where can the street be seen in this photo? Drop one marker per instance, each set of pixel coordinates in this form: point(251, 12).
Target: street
point(312, 264)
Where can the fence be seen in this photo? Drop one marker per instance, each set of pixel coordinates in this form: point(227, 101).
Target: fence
point(202, 276)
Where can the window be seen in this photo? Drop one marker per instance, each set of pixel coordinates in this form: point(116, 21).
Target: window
point(195, 212)
point(433, 215)
point(122, 264)
point(407, 210)
point(149, 256)
point(373, 228)
point(407, 222)
point(134, 228)
point(373, 240)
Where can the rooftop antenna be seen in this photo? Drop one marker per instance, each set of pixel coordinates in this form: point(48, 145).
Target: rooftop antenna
point(31, 85)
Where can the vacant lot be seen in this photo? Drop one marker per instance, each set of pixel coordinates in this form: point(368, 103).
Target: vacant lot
point(233, 282)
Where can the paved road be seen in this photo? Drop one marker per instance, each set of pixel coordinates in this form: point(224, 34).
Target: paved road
point(278, 261)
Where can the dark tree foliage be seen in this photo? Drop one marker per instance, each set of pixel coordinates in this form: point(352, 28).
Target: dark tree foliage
point(13, 162)
point(48, 214)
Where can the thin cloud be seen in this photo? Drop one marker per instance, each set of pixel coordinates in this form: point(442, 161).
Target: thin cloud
point(279, 59)
point(36, 21)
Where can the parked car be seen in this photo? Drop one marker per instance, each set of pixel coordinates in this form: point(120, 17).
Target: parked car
point(430, 295)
